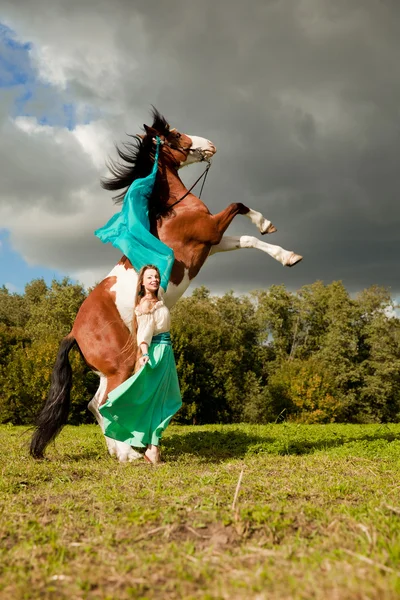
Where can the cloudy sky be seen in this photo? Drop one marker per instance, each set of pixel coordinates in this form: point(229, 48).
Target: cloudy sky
point(301, 98)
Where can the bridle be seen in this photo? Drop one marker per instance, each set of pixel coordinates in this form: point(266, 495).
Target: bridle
point(204, 174)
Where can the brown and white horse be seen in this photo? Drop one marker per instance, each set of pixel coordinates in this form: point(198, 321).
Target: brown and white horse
point(103, 326)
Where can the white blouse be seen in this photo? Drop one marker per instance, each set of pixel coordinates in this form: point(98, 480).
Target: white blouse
point(154, 321)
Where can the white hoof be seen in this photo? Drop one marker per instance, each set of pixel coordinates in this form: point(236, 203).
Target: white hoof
point(125, 452)
point(134, 455)
point(293, 259)
point(267, 227)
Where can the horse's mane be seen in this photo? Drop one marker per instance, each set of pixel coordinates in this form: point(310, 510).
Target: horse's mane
point(138, 156)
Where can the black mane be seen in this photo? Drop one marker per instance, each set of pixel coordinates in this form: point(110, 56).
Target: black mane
point(160, 124)
point(138, 157)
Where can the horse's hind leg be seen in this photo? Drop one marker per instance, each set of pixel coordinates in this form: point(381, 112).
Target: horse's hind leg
point(94, 404)
point(108, 347)
point(229, 243)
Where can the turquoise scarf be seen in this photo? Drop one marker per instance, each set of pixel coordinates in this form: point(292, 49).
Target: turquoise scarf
point(129, 230)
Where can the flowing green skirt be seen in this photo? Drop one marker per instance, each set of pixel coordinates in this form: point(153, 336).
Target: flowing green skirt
point(140, 409)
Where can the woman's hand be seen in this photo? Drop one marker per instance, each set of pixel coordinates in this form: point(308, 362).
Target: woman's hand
point(143, 360)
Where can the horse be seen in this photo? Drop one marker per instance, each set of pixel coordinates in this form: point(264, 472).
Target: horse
point(103, 329)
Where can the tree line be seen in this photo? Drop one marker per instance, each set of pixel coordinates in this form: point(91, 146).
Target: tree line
point(315, 356)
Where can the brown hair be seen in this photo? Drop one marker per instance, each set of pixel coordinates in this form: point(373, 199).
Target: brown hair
point(140, 287)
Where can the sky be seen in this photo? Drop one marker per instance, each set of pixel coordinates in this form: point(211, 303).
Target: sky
point(300, 97)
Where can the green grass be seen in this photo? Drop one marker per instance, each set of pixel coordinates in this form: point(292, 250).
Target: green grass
point(317, 515)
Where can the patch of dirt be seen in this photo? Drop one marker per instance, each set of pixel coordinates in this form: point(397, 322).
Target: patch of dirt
point(214, 534)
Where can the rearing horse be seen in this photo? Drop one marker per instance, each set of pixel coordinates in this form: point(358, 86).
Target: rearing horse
point(103, 326)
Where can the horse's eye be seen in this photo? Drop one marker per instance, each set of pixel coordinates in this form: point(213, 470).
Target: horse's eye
point(178, 135)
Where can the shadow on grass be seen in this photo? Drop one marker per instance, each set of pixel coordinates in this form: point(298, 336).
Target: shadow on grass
point(214, 446)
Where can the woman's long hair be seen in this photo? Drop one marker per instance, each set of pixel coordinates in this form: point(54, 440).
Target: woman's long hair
point(140, 291)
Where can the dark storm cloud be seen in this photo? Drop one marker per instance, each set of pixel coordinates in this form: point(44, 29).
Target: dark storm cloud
point(301, 98)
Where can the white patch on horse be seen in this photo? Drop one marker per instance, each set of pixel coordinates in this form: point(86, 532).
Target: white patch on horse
point(228, 243)
point(174, 292)
point(201, 149)
point(124, 288)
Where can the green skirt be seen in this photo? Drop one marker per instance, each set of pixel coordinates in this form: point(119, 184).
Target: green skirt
point(140, 409)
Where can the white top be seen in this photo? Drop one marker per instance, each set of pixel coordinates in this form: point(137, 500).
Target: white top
point(151, 322)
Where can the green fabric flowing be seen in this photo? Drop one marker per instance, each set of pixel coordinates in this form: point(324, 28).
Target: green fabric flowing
point(138, 411)
point(129, 230)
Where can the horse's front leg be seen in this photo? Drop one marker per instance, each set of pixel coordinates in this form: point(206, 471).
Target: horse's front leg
point(261, 222)
point(225, 218)
point(124, 452)
point(228, 243)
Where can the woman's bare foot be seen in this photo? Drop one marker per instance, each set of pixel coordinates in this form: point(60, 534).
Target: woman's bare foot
point(152, 454)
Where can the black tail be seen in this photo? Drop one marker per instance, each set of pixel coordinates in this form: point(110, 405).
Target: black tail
point(54, 413)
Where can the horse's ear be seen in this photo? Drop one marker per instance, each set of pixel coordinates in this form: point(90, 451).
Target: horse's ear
point(150, 130)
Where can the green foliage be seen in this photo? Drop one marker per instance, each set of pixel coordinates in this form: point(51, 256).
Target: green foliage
point(52, 312)
point(306, 391)
point(335, 358)
point(26, 385)
point(215, 344)
point(31, 328)
point(317, 356)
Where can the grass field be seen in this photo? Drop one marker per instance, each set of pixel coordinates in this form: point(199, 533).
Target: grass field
point(317, 515)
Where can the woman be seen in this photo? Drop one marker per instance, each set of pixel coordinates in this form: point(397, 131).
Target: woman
point(139, 410)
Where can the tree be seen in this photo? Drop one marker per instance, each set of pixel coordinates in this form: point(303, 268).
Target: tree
point(53, 311)
point(315, 356)
point(31, 328)
point(25, 386)
point(380, 349)
point(216, 345)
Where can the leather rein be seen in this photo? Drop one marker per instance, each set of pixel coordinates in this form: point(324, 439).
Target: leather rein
point(204, 174)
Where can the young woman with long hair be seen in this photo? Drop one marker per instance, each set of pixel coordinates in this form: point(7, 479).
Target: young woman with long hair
point(140, 409)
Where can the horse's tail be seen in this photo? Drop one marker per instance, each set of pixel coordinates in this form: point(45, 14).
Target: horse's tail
point(54, 413)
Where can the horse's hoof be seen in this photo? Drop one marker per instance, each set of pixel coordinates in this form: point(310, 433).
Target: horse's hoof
point(293, 260)
point(129, 456)
point(134, 455)
point(270, 229)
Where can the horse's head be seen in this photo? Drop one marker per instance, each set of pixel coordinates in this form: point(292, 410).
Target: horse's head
point(179, 149)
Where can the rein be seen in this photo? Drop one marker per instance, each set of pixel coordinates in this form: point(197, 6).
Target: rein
point(204, 174)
